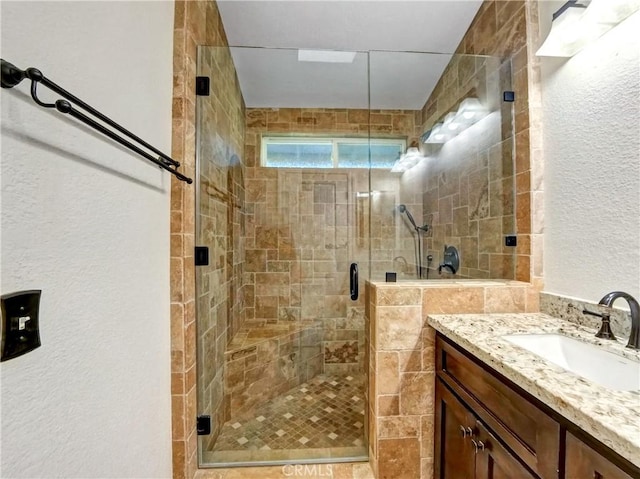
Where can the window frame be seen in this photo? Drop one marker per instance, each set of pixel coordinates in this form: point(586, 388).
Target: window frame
point(333, 140)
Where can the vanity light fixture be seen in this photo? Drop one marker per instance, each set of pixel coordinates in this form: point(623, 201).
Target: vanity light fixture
point(469, 112)
point(407, 161)
point(578, 23)
point(439, 134)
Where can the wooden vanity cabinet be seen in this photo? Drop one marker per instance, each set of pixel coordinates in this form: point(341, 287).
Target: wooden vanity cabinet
point(581, 461)
point(522, 427)
point(465, 449)
point(486, 427)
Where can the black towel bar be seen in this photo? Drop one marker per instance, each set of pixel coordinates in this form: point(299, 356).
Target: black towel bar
point(12, 76)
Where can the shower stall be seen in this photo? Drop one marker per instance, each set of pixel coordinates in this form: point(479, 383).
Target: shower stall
point(292, 189)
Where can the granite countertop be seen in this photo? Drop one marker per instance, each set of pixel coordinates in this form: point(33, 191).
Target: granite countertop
point(613, 417)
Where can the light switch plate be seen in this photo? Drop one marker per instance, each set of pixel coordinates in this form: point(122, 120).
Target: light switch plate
point(20, 326)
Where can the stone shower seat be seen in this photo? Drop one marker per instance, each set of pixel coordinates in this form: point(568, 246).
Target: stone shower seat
point(264, 360)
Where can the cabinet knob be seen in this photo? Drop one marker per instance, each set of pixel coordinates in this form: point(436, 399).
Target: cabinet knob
point(466, 431)
point(477, 445)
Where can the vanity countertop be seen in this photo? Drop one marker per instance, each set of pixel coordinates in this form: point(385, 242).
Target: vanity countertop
point(613, 417)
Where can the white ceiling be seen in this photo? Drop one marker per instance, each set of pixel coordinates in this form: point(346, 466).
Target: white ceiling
point(271, 76)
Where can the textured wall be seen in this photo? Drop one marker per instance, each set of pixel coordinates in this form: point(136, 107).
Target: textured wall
point(592, 167)
point(88, 223)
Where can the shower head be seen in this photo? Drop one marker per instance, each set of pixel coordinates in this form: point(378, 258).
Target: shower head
point(403, 209)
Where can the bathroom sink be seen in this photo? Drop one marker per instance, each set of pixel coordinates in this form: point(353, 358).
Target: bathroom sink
point(587, 360)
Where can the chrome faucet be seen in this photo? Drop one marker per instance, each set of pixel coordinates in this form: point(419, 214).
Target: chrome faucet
point(634, 337)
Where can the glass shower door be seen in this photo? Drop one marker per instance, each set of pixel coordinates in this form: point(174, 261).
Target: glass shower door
point(454, 187)
point(280, 206)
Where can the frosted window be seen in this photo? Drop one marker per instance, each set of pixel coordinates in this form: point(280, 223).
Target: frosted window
point(299, 155)
point(299, 152)
point(354, 155)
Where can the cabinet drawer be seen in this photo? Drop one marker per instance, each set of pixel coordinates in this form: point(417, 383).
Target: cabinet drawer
point(528, 431)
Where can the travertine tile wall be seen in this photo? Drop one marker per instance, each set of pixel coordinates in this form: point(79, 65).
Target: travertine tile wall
point(198, 23)
point(506, 30)
point(331, 121)
point(469, 182)
point(304, 228)
point(401, 377)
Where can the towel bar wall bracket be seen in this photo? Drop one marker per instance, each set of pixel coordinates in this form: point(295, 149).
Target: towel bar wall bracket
point(12, 76)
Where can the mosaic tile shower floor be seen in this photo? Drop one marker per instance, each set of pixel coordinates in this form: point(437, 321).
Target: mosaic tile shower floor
point(322, 418)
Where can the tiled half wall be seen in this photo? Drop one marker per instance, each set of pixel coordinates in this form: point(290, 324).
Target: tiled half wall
point(401, 362)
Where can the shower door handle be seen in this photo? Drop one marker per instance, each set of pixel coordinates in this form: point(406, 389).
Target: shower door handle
point(353, 281)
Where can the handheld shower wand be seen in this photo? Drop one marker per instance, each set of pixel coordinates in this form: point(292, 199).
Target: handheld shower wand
point(403, 209)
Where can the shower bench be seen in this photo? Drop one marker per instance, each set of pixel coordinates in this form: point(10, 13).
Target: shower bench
point(265, 360)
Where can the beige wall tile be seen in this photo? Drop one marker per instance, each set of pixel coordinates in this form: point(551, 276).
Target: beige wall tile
point(410, 361)
point(387, 373)
point(400, 296)
point(398, 426)
point(416, 393)
point(452, 300)
point(427, 433)
point(398, 327)
point(389, 405)
point(398, 458)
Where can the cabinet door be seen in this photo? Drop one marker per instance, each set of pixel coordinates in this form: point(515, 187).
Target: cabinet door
point(454, 450)
point(528, 431)
point(582, 462)
point(493, 460)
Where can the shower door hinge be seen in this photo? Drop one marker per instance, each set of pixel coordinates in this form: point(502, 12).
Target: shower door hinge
point(203, 86)
point(202, 255)
point(203, 425)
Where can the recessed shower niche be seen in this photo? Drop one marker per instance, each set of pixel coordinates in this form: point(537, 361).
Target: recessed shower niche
point(289, 195)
